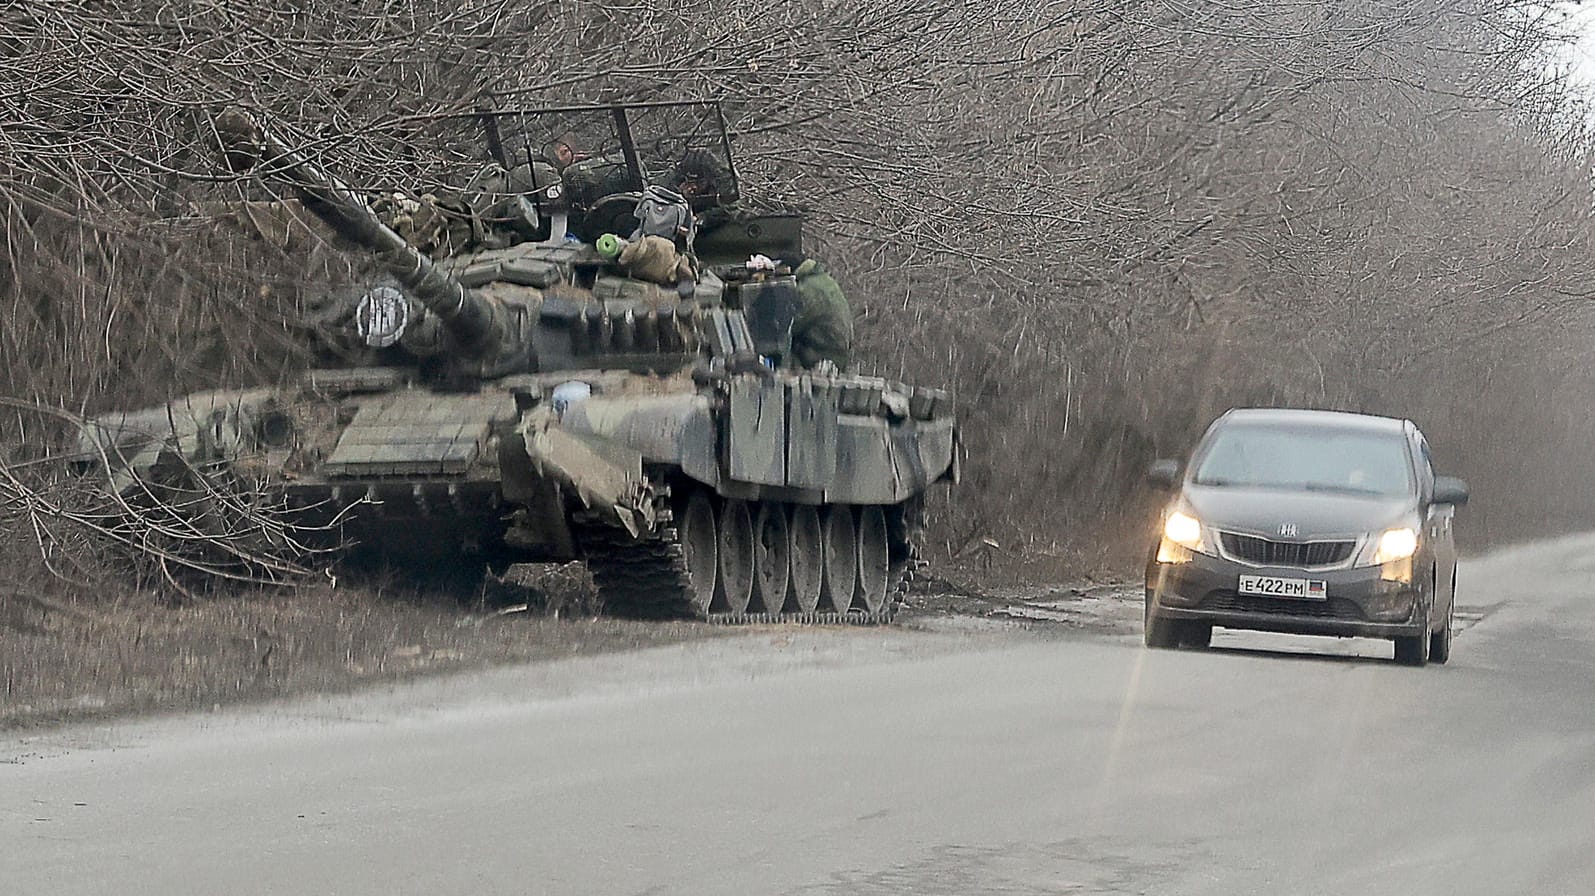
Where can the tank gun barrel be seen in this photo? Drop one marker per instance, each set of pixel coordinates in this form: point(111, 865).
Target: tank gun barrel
point(471, 318)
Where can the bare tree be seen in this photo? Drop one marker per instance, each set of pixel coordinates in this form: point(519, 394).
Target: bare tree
point(1105, 221)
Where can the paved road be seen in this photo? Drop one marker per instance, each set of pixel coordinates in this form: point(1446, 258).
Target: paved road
point(870, 762)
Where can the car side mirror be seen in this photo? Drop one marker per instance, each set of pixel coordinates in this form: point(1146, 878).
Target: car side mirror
point(1450, 490)
point(1163, 474)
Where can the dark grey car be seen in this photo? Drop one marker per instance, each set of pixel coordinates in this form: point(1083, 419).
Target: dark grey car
point(1309, 522)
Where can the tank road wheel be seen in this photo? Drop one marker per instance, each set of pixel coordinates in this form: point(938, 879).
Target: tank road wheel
point(700, 548)
point(772, 552)
point(808, 559)
point(874, 559)
point(735, 587)
point(839, 558)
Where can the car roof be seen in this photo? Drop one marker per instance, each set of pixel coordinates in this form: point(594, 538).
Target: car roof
point(1315, 418)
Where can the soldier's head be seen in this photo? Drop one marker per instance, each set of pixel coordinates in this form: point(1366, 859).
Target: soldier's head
point(563, 151)
point(700, 174)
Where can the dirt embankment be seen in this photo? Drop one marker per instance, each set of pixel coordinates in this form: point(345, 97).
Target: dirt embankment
point(81, 656)
point(73, 657)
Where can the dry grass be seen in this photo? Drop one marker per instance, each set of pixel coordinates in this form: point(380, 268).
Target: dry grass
point(72, 655)
point(75, 656)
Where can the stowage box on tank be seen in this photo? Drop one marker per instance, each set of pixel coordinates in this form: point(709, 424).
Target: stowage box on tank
point(568, 379)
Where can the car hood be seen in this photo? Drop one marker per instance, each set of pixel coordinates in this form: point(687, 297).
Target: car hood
point(1263, 511)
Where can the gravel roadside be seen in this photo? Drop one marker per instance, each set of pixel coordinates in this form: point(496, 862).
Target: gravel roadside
point(65, 660)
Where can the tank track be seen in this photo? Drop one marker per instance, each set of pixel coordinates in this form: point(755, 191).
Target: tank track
point(647, 578)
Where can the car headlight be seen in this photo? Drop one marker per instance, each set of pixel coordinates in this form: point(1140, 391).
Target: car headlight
point(1396, 544)
point(1182, 536)
point(1183, 529)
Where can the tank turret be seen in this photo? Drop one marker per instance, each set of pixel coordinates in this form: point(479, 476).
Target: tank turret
point(485, 337)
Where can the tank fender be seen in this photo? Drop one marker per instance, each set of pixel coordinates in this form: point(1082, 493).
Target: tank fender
point(538, 520)
point(939, 447)
point(954, 474)
point(884, 463)
point(677, 430)
point(604, 476)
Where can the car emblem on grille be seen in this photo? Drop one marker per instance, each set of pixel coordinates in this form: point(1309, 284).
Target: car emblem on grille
point(1289, 530)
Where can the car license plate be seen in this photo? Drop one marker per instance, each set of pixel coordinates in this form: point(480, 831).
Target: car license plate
point(1269, 586)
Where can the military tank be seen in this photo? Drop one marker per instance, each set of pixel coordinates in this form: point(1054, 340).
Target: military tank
point(533, 388)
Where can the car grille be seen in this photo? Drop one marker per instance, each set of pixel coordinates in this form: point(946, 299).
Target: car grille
point(1333, 608)
point(1285, 553)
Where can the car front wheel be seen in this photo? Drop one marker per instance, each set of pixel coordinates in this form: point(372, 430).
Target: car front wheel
point(1440, 641)
point(1158, 633)
point(1414, 651)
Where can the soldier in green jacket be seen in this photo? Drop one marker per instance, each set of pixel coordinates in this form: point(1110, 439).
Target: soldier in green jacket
point(823, 330)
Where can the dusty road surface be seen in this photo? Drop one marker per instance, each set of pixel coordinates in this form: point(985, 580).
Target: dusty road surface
point(955, 758)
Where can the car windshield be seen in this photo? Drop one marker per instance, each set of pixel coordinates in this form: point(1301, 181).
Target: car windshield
point(1312, 459)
